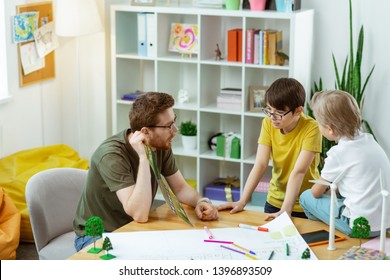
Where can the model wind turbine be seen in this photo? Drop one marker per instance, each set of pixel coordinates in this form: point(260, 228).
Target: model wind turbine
point(333, 188)
point(385, 195)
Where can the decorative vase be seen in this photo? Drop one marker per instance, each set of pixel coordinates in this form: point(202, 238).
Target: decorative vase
point(284, 5)
point(189, 142)
point(232, 4)
point(257, 5)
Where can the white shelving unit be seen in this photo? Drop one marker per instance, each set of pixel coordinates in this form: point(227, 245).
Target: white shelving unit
point(203, 77)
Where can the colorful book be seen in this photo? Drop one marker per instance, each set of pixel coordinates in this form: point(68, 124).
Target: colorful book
point(256, 42)
point(261, 43)
point(234, 91)
point(239, 45)
point(265, 47)
point(249, 53)
point(234, 45)
point(168, 194)
point(274, 44)
point(360, 253)
point(229, 98)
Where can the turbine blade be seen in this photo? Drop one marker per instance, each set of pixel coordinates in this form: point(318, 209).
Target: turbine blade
point(321, 182)
point(340, 176)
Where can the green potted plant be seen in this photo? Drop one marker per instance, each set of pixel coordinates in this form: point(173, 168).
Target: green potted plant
point(188, 131)
point(349, 80)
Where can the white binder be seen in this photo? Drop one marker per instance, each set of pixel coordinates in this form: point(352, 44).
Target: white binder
point(150, 35)
point(141, 21)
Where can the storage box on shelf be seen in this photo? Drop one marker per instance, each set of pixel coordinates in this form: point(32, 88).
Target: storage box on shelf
point(201, 76)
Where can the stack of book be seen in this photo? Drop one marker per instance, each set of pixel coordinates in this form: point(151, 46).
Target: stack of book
point(131, 96)
point(230, 98)
point(262, 46)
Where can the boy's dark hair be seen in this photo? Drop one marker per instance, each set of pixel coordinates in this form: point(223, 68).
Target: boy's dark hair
point(285, 94)
point(146, 108)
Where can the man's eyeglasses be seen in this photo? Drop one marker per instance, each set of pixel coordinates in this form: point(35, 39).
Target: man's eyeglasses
point(170, 127)
point(277, 116)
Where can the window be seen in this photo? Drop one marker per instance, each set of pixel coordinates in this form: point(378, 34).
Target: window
point(4, 94)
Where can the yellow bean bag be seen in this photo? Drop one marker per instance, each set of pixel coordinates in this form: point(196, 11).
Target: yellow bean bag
point(9, 227)
point(16, 170)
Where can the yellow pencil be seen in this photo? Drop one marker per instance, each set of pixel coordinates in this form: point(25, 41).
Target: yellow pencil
point(242, 248)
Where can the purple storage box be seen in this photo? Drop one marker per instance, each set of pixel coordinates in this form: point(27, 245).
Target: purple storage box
point(217, 192)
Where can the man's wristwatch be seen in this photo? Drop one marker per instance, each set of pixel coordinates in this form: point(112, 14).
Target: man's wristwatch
point(203, 199)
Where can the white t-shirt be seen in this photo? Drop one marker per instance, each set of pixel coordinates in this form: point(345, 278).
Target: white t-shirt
point(360, 185)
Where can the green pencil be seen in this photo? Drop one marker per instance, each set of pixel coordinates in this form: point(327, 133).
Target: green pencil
point(270, 256)
point(287, 250)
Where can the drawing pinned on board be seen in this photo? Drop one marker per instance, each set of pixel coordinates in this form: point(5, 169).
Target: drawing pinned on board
point(24, 24)
point(46, 40)
point(29, 58)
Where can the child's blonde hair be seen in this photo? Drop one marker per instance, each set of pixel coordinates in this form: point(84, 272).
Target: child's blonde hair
point(337, 109)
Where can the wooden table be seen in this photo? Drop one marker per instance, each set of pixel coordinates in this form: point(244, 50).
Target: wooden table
point(162, 218)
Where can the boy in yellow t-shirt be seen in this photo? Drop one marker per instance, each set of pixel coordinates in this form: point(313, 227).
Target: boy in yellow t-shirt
point(293, 141)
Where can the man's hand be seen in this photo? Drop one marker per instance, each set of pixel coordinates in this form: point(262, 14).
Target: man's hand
point(137, 141)
point(206, 211)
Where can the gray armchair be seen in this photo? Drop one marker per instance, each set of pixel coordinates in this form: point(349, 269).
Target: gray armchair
point(52, 196)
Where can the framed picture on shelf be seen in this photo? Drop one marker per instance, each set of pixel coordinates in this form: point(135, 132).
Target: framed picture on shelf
point(183, 38)
point(143, 2)
point(256, 98)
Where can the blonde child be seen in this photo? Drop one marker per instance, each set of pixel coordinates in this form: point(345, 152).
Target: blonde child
point(356, 153)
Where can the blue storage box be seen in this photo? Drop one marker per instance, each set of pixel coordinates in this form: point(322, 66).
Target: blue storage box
point(259, 198)
point(216, 190)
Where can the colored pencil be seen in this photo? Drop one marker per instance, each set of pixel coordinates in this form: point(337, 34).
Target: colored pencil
point(218, 241)
point(253, 227)
point(208, 232)
point(287, 250)
point(271, 255)
point(242, 253)
point(242, 248)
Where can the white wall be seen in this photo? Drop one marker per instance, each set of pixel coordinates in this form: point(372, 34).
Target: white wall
point(46, 113)
point(332, 35)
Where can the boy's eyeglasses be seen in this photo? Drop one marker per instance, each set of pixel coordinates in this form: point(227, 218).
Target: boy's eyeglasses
point(277, 116)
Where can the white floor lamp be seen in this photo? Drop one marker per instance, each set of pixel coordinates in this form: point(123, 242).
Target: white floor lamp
point(75, 18)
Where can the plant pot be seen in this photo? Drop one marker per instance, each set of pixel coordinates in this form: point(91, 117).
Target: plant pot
point(284, 5)
point(232, 4)
point(189, 142)
point(257, 5)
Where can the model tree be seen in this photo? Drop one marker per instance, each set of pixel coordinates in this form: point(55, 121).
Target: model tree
point(94, 227)
point(306, 254)
point(361, 229)
point(107, 246)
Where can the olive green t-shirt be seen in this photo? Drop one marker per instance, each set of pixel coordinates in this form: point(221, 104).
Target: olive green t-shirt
point(114, 166)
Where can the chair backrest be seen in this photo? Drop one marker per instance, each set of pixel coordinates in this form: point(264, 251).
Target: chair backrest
point(52, 196)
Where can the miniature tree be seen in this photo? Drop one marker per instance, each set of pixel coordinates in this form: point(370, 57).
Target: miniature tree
point(306, 254)
point(361, 229)
point(107, 246)
point(94, 227)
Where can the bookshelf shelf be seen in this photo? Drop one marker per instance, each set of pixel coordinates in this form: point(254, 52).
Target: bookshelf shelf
point(203, 77)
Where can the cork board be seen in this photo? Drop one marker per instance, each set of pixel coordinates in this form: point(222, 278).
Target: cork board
point(45, 10)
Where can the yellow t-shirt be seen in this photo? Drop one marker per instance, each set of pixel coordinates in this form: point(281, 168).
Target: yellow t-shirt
point(285, 149)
